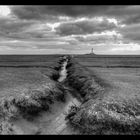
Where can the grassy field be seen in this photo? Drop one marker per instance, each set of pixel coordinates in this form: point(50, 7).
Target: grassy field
point(109, 60)
point(18, 73)
point(121, 72)
point(113, 86)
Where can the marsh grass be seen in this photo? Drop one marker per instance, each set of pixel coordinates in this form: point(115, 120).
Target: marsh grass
point(98, 115)
point(107, 118)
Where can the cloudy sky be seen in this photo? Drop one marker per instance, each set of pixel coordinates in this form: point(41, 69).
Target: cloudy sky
point(69, 29)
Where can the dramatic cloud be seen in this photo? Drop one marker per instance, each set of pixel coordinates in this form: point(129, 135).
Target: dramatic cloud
point(70, 29)
point(128, 14)
point(40, 12)
point(84, 27)
point(131, 32)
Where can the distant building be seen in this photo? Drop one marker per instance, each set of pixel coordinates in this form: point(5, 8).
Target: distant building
point(92, 52)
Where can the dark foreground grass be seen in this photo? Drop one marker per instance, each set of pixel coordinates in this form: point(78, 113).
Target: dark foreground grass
point(98, 115)
point(31, 104)
point(105, 119)
point(37, 100)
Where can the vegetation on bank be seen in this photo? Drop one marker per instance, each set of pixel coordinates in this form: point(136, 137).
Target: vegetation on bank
point(97, 115)
point(83, 81)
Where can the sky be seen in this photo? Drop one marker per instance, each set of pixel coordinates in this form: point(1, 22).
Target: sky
point(69, 29)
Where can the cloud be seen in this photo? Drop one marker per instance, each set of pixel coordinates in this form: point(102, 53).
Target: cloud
point(97, 38)
point(84, 27)
point(39, 12)
point(23, 29)
point(131, 33)
point(35, 12)
point(10, 27)
point(127, 14)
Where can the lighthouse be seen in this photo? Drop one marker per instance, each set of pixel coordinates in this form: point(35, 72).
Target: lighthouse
point(92, 51)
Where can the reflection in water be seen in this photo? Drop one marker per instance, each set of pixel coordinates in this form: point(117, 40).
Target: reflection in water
point(63, 72)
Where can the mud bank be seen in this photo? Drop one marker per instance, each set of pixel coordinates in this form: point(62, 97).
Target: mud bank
point(97, 115)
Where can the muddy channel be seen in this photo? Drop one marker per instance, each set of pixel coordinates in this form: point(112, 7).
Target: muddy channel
point(52, 122)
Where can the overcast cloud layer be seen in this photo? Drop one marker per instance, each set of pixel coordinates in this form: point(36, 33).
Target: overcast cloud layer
point(70, 29)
